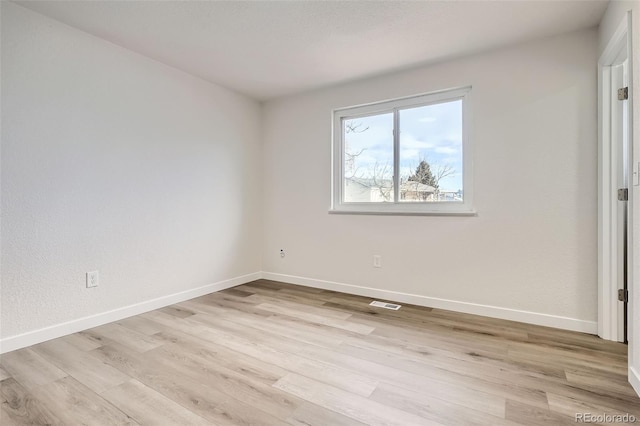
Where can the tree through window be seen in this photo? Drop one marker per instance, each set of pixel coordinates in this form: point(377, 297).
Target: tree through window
point(409, 155)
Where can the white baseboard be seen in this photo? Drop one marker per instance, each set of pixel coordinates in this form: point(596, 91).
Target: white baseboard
point(451, 305)
point(634, 379)
point(38, 336)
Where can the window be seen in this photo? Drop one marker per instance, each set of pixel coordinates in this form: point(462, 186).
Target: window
point(404, 156)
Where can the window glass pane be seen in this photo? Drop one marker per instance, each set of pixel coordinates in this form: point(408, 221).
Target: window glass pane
point(431, 153)
point(368, 159)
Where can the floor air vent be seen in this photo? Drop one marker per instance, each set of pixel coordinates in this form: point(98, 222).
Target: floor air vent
point(385, 305)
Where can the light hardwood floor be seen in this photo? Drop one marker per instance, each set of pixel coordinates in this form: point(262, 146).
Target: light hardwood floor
point(268, 353)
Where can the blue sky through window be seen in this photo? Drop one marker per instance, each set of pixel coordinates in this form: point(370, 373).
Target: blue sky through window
point(431, 132)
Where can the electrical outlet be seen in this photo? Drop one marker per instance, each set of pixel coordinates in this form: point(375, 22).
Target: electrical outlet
point(377, 261)
point(281, 252)
point(92, 279)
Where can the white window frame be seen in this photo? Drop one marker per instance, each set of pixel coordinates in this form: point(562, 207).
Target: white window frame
point(397, 207)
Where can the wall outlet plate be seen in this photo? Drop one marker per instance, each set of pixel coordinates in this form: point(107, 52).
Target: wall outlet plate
point(92, 279)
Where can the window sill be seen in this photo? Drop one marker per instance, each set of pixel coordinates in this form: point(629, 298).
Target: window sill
point(381, 212)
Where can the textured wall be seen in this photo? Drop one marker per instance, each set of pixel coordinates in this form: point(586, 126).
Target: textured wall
point(112, 161)
point(532, 246)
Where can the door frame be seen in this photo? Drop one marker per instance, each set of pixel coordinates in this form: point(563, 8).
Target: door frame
point(608, 306)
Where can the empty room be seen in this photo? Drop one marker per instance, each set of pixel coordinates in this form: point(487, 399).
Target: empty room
point(320, 212)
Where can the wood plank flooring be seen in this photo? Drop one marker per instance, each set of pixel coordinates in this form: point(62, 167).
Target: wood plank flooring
point(268, 353)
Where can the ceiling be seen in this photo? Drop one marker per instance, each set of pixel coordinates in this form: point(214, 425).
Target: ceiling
point(267, 49)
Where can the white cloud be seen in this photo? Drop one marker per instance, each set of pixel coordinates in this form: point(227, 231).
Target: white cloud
point(409, 153)
point(408, 141)
point(446, 150)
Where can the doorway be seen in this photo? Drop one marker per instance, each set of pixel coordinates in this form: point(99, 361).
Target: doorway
point(616, 178)
point(620, 144)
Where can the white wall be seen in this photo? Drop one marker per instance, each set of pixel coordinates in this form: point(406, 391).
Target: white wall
point(114, 162)
point(532, 248)
point(616, 11)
